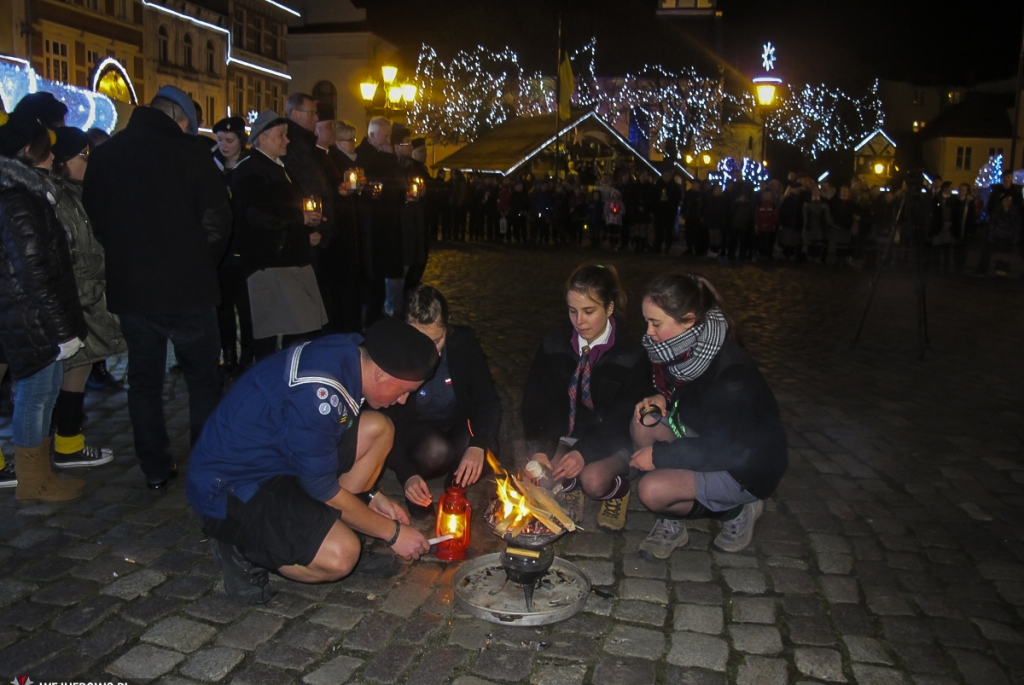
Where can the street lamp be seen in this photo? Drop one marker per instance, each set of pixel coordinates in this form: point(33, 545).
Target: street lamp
point(765, 87)
point(368, 89)
point(389, 74)
point(389, 94)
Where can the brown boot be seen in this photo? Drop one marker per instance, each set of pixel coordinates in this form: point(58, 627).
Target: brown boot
point(37, 481)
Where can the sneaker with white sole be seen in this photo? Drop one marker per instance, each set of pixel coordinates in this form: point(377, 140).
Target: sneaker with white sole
point(612, 516)
point(664, 538)
point(738, 533)
point(87, 456)
point(7, 477)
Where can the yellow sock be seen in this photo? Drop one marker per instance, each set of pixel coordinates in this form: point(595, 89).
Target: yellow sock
point(3, 463)
point(64, 445)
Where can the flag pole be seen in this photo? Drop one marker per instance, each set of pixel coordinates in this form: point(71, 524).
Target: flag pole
point(558, 93)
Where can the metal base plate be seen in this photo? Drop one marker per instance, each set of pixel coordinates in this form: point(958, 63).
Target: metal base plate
point(481, 589)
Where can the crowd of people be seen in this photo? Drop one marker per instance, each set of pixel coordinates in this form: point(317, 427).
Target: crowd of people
point(288, 258)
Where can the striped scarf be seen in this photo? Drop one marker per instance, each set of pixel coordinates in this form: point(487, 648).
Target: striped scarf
point(688, 355)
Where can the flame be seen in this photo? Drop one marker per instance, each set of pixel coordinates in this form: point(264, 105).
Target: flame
point(512, 500)
point(453, 524)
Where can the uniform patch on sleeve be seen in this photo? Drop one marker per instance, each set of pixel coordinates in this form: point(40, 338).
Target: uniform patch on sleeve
point(325, 409)
point(321, 393)
point(334, 400)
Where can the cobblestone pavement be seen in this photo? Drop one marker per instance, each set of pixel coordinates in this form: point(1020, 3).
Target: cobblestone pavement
point(893, 551)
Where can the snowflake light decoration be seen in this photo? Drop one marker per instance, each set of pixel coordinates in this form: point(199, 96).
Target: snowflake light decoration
point(768, 56)
point(252, 116)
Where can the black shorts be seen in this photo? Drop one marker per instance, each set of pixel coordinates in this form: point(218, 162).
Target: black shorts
point(280, 526)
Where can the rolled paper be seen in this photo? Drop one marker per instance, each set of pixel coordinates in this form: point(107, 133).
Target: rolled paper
point(439, 539)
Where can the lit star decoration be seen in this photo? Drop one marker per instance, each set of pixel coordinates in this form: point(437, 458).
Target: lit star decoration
point(991, 174)
point(464, 97)
point(252, 116)
point(768, 56)
point(86, 109)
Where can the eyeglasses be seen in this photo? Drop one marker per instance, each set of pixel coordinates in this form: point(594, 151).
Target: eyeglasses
point(307, 111)
point(84, 154)
point(403, 145)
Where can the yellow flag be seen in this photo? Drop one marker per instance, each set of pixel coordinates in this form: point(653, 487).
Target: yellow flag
point(566, 88)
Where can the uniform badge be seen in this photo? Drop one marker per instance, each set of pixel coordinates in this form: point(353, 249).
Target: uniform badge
point(321, 393)
point(344, 416)
point(325, 409)
point(334, 400)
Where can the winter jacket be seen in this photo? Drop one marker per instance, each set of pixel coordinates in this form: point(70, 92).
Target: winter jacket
point(105, 338)
point(384, 211)
point(39, 306)
point(268, 215)
point(313, 174)
point(159, 206)
point(732, 422)
point(766, 217)
point(476, 399)
point(619, 379)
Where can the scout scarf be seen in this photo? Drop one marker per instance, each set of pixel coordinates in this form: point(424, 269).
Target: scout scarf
point(688, 355)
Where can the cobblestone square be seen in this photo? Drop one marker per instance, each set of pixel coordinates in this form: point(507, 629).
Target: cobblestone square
point(893, 551)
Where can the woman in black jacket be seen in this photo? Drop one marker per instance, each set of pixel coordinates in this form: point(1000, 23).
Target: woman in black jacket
point(41, 321)
point(275, 233)
point(453, 418)
point(710, 440)
point(585, 380)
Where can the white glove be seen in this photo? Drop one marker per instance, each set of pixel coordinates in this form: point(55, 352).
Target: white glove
point(69, 348)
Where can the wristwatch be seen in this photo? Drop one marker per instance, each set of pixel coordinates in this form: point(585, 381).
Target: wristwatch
point(366, 497)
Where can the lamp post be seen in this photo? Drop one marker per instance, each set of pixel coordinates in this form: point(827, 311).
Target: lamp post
point(388, 96)
point(764, 88)
point(705, 158)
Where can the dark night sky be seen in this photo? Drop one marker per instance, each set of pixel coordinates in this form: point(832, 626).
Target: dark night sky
point(937, 42)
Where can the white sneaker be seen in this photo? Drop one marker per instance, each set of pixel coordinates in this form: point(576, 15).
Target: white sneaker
point(664, 538)
point(738, 533)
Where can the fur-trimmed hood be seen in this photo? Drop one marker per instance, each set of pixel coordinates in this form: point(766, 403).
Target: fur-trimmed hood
point(14, 174)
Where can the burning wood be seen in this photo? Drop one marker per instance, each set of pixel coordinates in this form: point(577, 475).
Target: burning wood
point(520, 505)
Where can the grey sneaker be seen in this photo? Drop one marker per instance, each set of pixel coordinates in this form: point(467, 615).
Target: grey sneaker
point(666, 536)
point(87, 456)
point(738, 533)
point(572, 502)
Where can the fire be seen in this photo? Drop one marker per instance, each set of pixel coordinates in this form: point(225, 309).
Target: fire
point(521, 502)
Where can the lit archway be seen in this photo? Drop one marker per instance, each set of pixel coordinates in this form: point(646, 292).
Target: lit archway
point(111, 79)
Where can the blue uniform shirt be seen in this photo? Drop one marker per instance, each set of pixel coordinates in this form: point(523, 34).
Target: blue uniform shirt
point(285, 416)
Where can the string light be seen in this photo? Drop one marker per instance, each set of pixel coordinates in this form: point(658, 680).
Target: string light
point(476, 90)
point(86, 109)
point(991, 173)
point(748, 170)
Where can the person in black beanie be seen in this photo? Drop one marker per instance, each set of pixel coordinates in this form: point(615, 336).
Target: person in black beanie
point(44, 108)
point(283, 475)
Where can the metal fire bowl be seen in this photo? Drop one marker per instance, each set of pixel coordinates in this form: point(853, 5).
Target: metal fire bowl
point(476, 579)
point(528, 541)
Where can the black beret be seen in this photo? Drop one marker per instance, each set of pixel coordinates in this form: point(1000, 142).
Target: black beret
point(401, 351)
point(230, 125)
point(44, 107)
point(70, 142)
point(17, 131)
point(419, 142)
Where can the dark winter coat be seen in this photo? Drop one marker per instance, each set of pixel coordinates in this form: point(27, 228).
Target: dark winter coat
point(620, 378)
point(476, 399)
point(307, 165)
point(734, 418)
point(268, 215)
point(160, 208)
point(384, 210)
point(105, 338)
point(39, 306)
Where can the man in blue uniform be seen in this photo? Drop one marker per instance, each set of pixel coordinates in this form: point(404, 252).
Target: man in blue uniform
point(281, 477)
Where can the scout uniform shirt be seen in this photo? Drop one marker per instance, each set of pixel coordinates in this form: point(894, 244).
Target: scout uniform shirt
point(285, 416)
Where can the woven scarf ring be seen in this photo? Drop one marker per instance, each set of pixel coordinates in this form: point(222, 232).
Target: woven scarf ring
point(685, 357)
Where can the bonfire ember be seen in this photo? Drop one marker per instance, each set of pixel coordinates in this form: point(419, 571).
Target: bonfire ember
point(524, 508)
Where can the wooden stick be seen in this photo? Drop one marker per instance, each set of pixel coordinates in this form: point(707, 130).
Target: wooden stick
point(549, 503)
point(503, 525)
point(540, 510)
point(518, 526)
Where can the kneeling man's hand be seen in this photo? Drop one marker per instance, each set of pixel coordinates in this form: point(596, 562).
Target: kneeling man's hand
point(410, 543)
point(385, 507)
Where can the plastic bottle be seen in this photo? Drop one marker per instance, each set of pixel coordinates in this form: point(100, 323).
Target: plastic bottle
point(540, 474)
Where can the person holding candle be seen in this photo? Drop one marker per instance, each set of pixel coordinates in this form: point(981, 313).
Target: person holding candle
point(710, 441)
point(585, 380)
point(276, 230)
point(454, 418)
point(283, 476)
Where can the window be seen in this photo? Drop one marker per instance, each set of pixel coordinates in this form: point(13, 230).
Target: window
point(187, 53)
point(917, 126)
point(238, 29)
point(326, 96)
point(254, 34)
point(94, 5)
point(240, 96)
point(274, 99)
point(211, 109)
point(272, 41)
point(122, 10)
point(211, 57)
point(953, 97)
point(963, 158)
point(56, 61)
point(163, 45)
point(918, 97)
point(92, 58)
point(993, 151)
point(967, 159)
point(257, 103)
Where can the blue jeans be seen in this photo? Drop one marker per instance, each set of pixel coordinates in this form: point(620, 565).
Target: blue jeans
point(34, 398)
point(196, 342)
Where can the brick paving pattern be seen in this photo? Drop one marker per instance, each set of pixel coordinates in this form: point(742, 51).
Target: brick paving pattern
point(893, 551)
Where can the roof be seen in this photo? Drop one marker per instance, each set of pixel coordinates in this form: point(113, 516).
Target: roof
point(508, 146)
point(980, 115)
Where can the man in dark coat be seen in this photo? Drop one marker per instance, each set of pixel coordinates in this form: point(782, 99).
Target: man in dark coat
point(344, 252)
point(160, 208)
point(666, 211)
point(382, 228)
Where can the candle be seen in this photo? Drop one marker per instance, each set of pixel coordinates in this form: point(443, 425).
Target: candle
point(353, 180)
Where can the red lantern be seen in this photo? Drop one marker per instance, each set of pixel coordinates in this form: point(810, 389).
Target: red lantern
point(454, 516)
